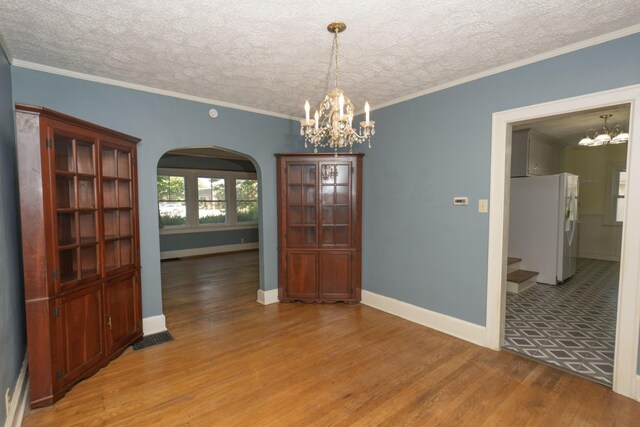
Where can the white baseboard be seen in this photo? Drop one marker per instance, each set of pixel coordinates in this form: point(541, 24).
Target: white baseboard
point(154, 324)
point(181, 253)
point(19, 400)
point(431, 319)
point(267, 297)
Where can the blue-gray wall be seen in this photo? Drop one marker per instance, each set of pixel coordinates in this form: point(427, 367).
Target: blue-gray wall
point(12, 324)
point(166, 123)
point(205, 239)
point(418, 247)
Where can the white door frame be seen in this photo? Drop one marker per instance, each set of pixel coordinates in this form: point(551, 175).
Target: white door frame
point(628, 321)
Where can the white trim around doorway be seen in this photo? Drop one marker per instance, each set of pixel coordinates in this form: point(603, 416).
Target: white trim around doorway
point(628, 318)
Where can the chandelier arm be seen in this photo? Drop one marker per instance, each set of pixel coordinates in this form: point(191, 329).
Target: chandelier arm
point(617, 130)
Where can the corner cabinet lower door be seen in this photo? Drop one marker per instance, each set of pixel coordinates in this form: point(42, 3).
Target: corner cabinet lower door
point(81, 324)
point(336, 276)
point(301, 275)
point(122, 317)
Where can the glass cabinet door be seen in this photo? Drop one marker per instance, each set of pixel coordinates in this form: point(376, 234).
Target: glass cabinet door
point(302, 205)
point(335, 203)
point(74, 192)
point(118, 205)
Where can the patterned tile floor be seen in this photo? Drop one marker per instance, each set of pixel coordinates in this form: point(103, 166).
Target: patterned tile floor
point(572, 325)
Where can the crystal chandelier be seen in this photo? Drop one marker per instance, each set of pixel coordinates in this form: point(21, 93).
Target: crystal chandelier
point(605, 136)
point(331, 125)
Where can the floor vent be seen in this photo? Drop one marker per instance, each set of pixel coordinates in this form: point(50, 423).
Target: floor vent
point(153, 339)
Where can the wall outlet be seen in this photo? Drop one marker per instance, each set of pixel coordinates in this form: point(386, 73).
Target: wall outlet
point(7, 400)
point(242, 240)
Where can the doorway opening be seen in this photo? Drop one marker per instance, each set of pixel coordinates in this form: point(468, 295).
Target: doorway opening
point(208, 212)
point(566, 210)
point(628, 310)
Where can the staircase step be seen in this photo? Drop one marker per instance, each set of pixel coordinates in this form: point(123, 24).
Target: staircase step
point(513, 264)
point(520, 280)
point(520, 276)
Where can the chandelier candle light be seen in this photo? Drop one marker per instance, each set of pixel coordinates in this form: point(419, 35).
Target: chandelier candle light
point(331, 125)
point(595, 138)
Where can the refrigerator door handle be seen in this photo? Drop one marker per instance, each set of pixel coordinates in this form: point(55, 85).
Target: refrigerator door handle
point(572, 217)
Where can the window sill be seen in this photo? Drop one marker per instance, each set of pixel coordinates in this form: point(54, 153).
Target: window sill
point(205, 229)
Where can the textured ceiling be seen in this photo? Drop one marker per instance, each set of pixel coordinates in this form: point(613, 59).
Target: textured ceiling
point(272, 54)
point(571, 128)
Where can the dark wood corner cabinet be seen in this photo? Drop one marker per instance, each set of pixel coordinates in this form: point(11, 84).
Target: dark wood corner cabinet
point(319, 227)
point(79, 215)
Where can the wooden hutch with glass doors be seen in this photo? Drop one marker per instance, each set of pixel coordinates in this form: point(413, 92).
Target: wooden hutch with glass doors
point(79, 219)
point(319, 227)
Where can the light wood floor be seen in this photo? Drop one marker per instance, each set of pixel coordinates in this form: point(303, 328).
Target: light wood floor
point(235, 362)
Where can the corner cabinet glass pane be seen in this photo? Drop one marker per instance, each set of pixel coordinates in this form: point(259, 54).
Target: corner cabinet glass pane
point(63, 149)
point(65, 192)
point(124, 194)
point(302, 201)
point(86, 193)
point(119, 206)
point(67, 231)
point(126, 256)
point(85, 162)
point(88, 229)
point(111, 255)
point(68, 259)
point(89, 260)
point(125, 223)
point(108, 162)
point(335, 202)
point(124, 165)
point(76, 199)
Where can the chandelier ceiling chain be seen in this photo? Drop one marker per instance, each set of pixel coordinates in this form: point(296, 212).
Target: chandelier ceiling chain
point(605, 136)
point(337, 51)
point(332, 123)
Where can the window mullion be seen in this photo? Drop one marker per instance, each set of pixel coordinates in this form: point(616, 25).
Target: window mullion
point(232, 207)
point(191, 192)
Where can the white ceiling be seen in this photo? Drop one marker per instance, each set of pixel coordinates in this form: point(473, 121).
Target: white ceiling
point(273, 54)
point(569, 129)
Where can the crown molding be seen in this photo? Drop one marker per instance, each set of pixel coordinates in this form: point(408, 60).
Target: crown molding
point(550, 54)
point(104, 80)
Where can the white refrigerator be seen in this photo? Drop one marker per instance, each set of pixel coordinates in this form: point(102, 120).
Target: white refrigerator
point(543, 221)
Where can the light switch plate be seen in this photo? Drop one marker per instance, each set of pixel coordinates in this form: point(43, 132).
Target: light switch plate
point(460, 201)
point(483, 205)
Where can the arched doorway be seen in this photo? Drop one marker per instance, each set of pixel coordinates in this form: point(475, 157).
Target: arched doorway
point(208, 215)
